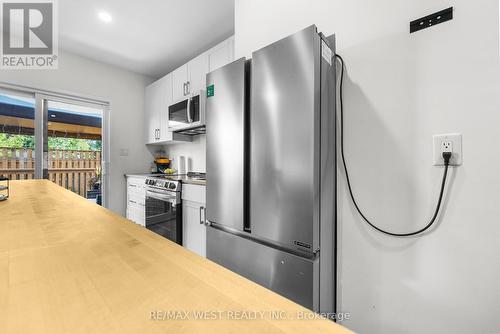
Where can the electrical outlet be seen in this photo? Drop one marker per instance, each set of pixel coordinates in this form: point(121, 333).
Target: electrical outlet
point(447, 146)
point(451, 142)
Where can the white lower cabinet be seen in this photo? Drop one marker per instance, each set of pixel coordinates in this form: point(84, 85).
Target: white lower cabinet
point(136, 198)
point(193, 218)
point(193, 228)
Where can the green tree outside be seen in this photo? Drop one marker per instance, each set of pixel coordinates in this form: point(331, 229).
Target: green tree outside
point(55, 143)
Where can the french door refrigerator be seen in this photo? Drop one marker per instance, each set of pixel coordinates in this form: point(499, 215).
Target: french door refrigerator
point(271, 168)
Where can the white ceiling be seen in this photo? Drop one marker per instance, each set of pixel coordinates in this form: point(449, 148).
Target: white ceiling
point(151, 37)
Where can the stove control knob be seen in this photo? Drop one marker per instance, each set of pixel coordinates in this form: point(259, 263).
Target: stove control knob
point(172, 186)
point(166, 185)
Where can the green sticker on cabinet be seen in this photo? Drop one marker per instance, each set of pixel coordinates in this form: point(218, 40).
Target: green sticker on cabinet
point(210, 91)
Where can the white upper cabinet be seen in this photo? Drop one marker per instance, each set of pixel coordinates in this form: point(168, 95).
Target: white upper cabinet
point(158, 97)
point(190, 77)
point(152, 115)
point(175, 86)
point(165, 101)
point(220, 55)
point(179, 83)
point(197, 72)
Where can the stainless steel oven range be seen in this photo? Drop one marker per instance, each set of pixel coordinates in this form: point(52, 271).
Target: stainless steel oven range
point(164, 208)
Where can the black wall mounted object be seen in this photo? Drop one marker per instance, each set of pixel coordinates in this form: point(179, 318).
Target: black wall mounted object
point(431, 20)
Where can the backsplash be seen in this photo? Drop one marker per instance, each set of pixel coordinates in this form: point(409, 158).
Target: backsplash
point(193, 151)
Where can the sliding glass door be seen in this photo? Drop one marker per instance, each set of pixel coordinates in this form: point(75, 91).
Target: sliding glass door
point(55, 137)
point(74, 143)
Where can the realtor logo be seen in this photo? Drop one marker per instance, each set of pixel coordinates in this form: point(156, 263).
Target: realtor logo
point(29, 34)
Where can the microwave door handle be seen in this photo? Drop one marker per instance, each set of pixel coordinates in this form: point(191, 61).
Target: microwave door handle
point(188, 110)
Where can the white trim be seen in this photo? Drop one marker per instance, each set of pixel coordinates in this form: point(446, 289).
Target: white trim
point(61, 94)
point(39, 124)
point(106, 150)
point(8, 91)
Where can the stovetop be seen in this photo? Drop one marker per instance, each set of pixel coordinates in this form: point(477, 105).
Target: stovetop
point(172, 182)
point(190, 175)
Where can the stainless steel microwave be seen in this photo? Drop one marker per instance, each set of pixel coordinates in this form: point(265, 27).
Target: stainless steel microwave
point(188, 113)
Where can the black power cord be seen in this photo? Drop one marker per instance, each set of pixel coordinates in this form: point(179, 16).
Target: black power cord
point(446, 158)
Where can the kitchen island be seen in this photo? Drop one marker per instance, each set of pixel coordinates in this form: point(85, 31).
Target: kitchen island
point(70, 266)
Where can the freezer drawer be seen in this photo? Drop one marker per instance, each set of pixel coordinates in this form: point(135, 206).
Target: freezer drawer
point(289, 275)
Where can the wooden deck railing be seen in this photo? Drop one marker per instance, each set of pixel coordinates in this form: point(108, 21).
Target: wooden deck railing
point(69, 169)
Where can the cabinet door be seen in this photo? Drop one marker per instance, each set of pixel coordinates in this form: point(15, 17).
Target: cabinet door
point(197, 70)
point(179, 79)
point(194, 230)
point(136, 196)
point(165, 91)
point(151, 114)
point(221, 55)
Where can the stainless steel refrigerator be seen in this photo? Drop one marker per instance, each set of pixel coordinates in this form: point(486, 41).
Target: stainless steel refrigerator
point(271, 168)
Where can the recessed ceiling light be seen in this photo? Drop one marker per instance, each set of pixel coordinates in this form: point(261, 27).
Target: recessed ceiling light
point(105, 17)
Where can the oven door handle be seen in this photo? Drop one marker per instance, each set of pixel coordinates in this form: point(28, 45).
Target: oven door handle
point(161, 196)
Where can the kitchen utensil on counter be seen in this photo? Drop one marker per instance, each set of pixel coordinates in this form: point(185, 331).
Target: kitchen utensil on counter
point(181, 164)
point(162, 164)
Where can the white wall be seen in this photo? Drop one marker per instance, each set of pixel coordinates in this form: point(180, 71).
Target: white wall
point(400, 89)
point(194, 150)
point(124, 89)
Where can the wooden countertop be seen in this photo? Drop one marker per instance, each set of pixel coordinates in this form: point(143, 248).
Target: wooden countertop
point(70, 266)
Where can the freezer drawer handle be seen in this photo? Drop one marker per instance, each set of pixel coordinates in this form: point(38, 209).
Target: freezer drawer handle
point(311, 255)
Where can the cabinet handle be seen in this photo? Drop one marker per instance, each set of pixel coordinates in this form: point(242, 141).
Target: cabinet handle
point(184, 89)
point(205, 213)
point(201, 220)
point(159, 133)
point(188, 87)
